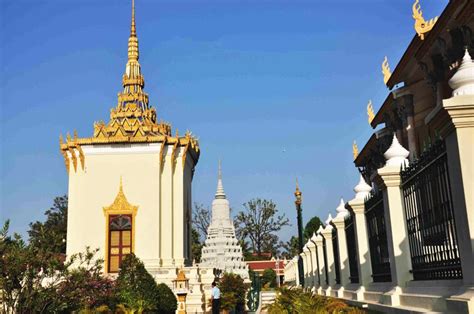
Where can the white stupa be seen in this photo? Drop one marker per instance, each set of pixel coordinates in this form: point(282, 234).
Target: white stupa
point(221, 249)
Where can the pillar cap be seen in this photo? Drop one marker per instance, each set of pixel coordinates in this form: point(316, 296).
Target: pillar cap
point(396, 154)
point(341, 210)
point(462, 82)
point(362, 189)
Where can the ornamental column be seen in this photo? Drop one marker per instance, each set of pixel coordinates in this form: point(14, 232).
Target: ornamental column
point(460, 153)
point(339, 223)
point(296, 260)
point(310, 247)
point(327, 234)
point(308, 266)
point(397, 232)
point(298, 202)
point(362, 190)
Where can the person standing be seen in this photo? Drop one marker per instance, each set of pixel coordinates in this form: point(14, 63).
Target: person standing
point(215, 298)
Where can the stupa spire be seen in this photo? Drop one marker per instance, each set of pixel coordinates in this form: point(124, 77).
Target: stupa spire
point(133, 81)
point(220, 187)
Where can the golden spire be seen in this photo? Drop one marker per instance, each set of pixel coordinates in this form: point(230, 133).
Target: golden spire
point(370, 111)
point(355, 150)
point(298, 193)
point(421, 26)
point(386, 70)
point(133, 30)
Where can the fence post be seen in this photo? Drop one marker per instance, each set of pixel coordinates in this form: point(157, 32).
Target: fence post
point(305, 267)
point(320, 254)
point(397, 235)
point(327, 234)
point(309, 266)
point(311, 260)
point(338, 222)
point(460, 154)
point(362, 190)
point(314, 258)
point(297, 275)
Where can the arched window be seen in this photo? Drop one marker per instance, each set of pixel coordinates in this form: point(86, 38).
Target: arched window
point(120, 240)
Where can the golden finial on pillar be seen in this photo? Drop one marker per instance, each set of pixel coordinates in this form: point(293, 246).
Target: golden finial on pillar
point(421, 26)
point(386, 70)
point(370, 112)
point(355, 150)
point(298, 193)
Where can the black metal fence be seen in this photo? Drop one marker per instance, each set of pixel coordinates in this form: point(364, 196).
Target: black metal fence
point(430, 218)
point(351, 248)
point(325, 255)
point(337, 264)
point(377, 233)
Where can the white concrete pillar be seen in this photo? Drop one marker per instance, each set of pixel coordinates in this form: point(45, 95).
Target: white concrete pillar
point(460, 153)
point(362, 190)
point(338, 222)
point(397, 234)
point(309, 260)
point(327, 234)
point(309, 267)
point(314, 265)
point(321, 270)
point(297, 275)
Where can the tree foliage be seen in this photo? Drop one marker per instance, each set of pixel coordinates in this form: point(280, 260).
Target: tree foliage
point(201, 219)
point(137, 291)
point(233, 290)
point(196, 245)
point(290, 248)
point(50, 236)
point(259, 223)
point(37, 281)
point(311, 227)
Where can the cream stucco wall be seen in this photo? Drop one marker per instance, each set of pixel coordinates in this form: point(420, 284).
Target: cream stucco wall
point(163, 197)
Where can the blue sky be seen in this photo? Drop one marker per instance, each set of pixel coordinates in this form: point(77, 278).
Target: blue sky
point(276, 89)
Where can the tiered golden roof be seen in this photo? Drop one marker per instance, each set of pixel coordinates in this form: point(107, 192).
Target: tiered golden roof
point(133, 120)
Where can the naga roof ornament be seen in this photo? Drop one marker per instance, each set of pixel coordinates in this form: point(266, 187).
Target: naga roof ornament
point(421, 26)
point(355, 150)
point(386, 70)
point(370, 112)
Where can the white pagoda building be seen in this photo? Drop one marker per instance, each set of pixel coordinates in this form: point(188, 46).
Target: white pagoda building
point(221, 249)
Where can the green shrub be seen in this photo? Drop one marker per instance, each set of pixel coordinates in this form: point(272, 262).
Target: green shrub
point(297, 301)
point(269, 278)
point(137, 291)
point(233, 291)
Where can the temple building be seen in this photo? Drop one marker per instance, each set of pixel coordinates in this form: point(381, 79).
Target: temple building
point(222, 250)
point(130, 188)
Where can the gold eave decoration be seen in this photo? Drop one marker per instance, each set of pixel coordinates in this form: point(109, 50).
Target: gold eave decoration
point(421, 26)
point(355, 150)
point(68, 150)
point(386, 70)
point(120, 204)
point(370, 112)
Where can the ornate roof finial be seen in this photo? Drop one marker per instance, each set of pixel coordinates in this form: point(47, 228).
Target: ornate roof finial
point(386, 70)
point(421, 26)
point(298, 193)
point(220, 187)
point(133, 30)
point(355, 150)
point(370, 112)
